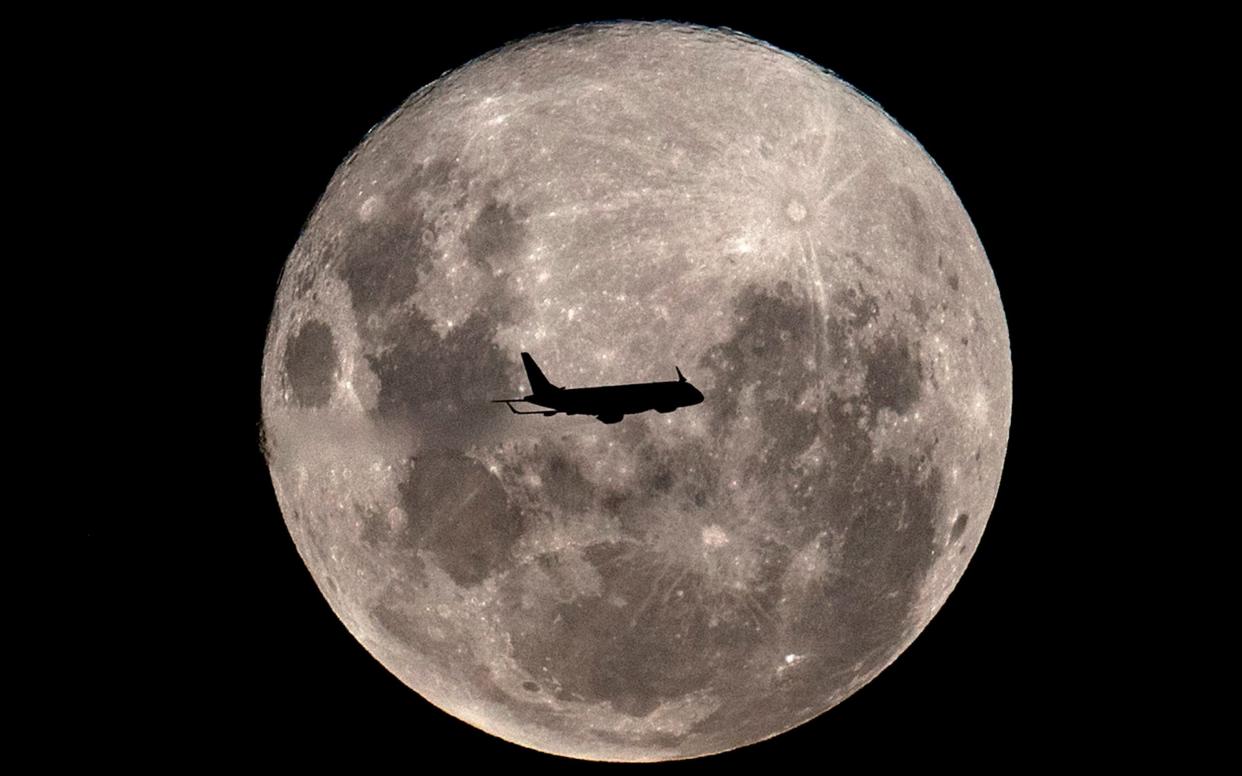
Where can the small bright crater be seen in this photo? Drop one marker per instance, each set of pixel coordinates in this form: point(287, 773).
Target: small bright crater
point(714, 536)
point(369, 208)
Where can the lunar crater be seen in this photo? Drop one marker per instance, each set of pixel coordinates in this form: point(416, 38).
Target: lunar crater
point(795, 210)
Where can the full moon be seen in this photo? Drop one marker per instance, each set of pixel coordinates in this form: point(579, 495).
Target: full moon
point(617, 200)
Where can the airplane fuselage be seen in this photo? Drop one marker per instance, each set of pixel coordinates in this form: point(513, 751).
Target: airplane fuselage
point(628, 399)
point(608, 403)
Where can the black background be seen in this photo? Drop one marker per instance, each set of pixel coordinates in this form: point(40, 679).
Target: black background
point(240, 655)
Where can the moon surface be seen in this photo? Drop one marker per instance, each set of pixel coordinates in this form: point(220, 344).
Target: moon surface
point(619, 199)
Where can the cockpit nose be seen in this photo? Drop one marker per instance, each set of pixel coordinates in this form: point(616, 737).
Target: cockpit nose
point(696, 396)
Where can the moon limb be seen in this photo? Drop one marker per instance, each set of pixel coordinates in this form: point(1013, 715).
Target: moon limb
point(772, 552)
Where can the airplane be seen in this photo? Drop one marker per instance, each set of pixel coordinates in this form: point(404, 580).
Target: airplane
point(608, 403)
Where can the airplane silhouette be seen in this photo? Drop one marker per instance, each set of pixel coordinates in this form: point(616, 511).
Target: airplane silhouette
point(608, 403)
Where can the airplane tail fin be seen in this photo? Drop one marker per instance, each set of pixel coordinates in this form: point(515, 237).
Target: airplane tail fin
point(538, 383)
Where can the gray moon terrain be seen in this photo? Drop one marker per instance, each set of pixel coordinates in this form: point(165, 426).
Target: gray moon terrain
point(617, 200)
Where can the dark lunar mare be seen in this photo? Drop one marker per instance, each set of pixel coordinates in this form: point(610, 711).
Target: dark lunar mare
point(889, 509)
point(311, 363)
point(637, 643)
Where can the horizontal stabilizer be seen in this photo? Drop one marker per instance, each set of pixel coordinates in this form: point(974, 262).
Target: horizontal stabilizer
point(515, 411)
